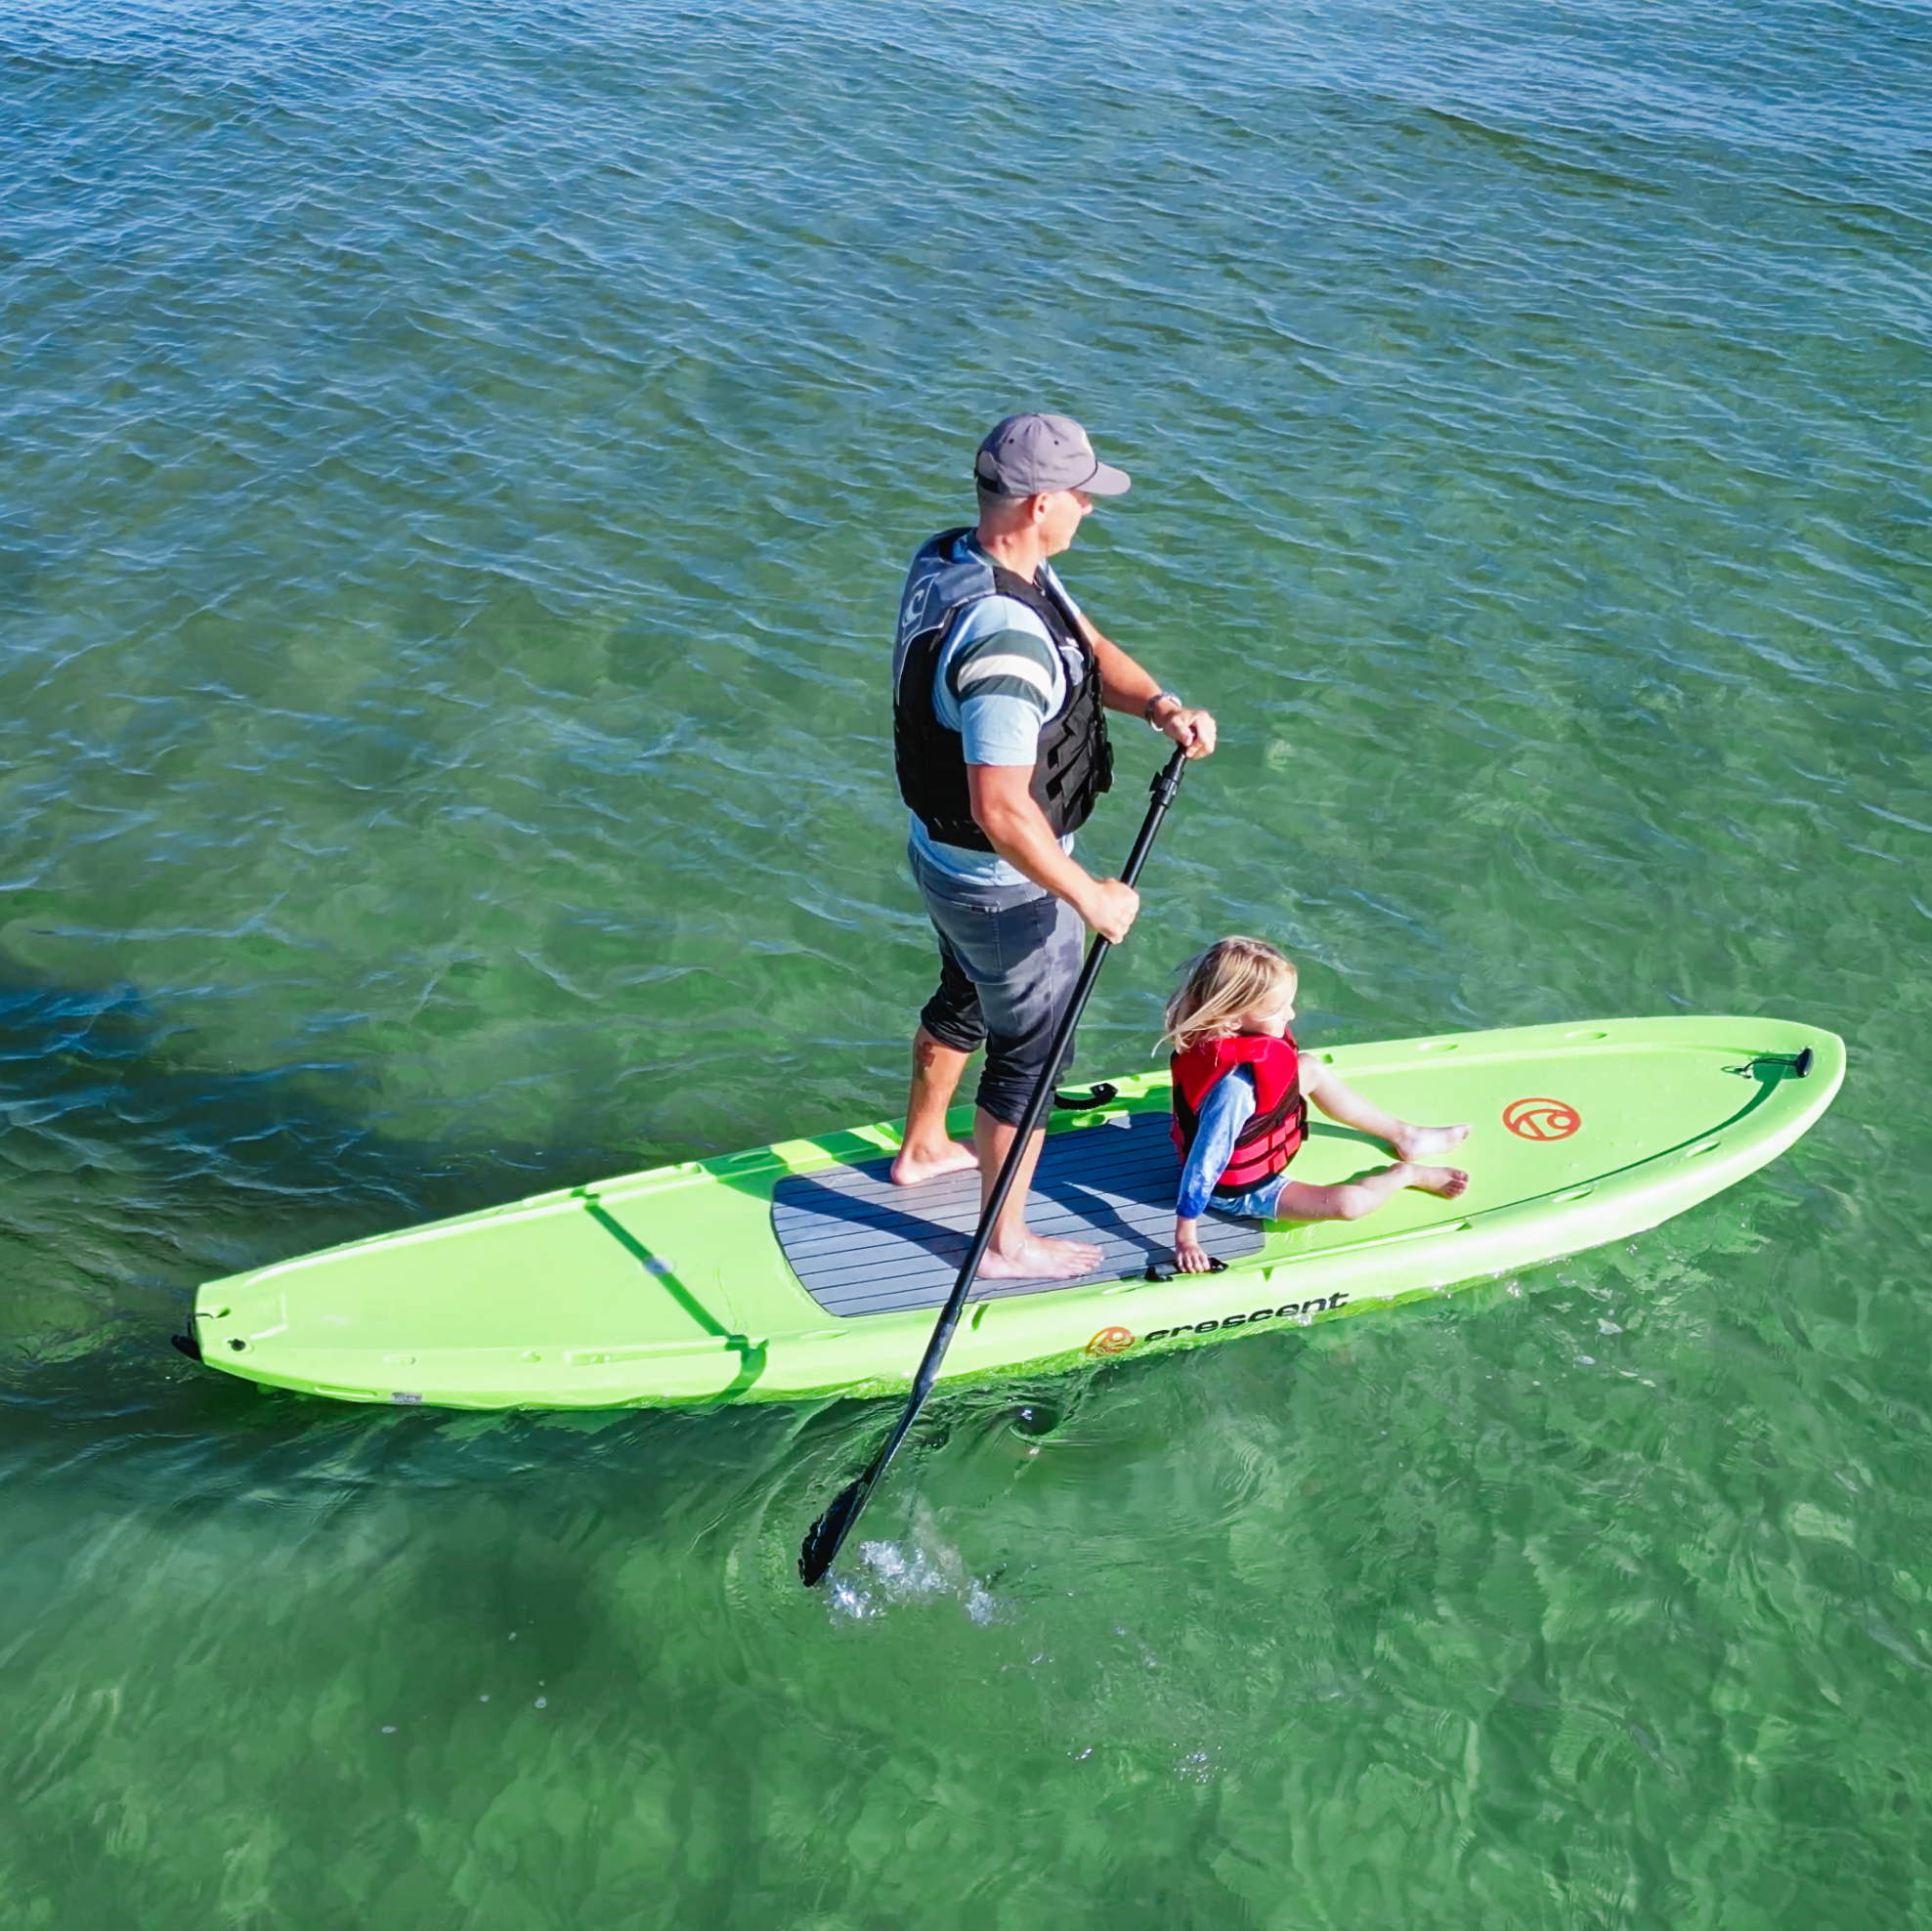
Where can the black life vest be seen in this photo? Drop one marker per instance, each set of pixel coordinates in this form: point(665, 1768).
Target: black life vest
point(1279, 1123)
point(1074, 764)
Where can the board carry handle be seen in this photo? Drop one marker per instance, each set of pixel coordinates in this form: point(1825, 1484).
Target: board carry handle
point(1215, 1265)
point(828, 1534)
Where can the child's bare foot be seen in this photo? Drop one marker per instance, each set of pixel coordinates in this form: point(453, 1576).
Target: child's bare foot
point(1037, 1257)
point(1447, 1183)
point(1419, 1143)
point(918, 1162)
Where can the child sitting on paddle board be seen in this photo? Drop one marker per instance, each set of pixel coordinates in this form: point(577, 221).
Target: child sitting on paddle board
point(1241, 1093)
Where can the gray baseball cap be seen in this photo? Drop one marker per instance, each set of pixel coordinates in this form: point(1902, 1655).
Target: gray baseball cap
point(1032, 455)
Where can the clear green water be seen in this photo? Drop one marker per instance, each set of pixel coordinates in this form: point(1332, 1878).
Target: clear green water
point(455, 469)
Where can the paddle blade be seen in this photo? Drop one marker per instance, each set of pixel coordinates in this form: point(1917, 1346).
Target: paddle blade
point(820, 1548)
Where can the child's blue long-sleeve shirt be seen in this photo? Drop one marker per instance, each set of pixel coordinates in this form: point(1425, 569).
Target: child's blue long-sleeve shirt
point(1229, 1107)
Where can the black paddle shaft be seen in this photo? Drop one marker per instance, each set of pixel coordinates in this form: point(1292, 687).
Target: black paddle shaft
point(825, 1537)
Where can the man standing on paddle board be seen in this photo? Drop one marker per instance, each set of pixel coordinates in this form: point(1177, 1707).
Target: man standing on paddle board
point(999, 689)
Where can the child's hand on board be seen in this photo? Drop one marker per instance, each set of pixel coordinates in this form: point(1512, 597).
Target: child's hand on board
point(1190, 1255)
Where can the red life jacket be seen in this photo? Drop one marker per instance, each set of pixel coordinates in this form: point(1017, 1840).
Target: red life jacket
point(1279, 1123)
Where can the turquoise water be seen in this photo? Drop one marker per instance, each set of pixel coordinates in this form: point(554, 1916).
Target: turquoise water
point(457, 465)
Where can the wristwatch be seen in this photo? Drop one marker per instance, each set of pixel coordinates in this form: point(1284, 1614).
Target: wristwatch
point(1161, 697)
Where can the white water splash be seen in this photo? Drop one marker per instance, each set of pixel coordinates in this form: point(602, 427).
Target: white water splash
point(893, 1574)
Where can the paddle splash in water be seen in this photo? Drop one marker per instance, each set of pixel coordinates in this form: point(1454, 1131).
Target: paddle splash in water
point(1241, 1092)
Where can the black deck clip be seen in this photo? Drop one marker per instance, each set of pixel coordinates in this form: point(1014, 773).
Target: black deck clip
point(1085, 1102)
point(1767, 1069)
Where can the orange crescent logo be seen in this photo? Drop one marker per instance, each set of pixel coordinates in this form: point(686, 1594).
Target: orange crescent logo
point(1541, 1119)
point(1110, 1341)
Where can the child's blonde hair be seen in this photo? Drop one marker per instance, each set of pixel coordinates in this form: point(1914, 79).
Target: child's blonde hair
point(1221, 986)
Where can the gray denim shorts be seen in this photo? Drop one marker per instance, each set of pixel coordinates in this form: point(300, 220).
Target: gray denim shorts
point(1008, 957)
point(1257, 1204)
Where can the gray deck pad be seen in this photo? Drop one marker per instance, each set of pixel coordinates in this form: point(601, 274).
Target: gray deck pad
point(862, 1246)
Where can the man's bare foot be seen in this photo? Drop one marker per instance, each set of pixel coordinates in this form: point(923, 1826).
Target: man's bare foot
point(1447, 1182)
point(916, 1163)
point(1036, 1258)
point(1419, 1143)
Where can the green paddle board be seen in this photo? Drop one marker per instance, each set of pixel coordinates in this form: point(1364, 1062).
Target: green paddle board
point(797, 1269)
